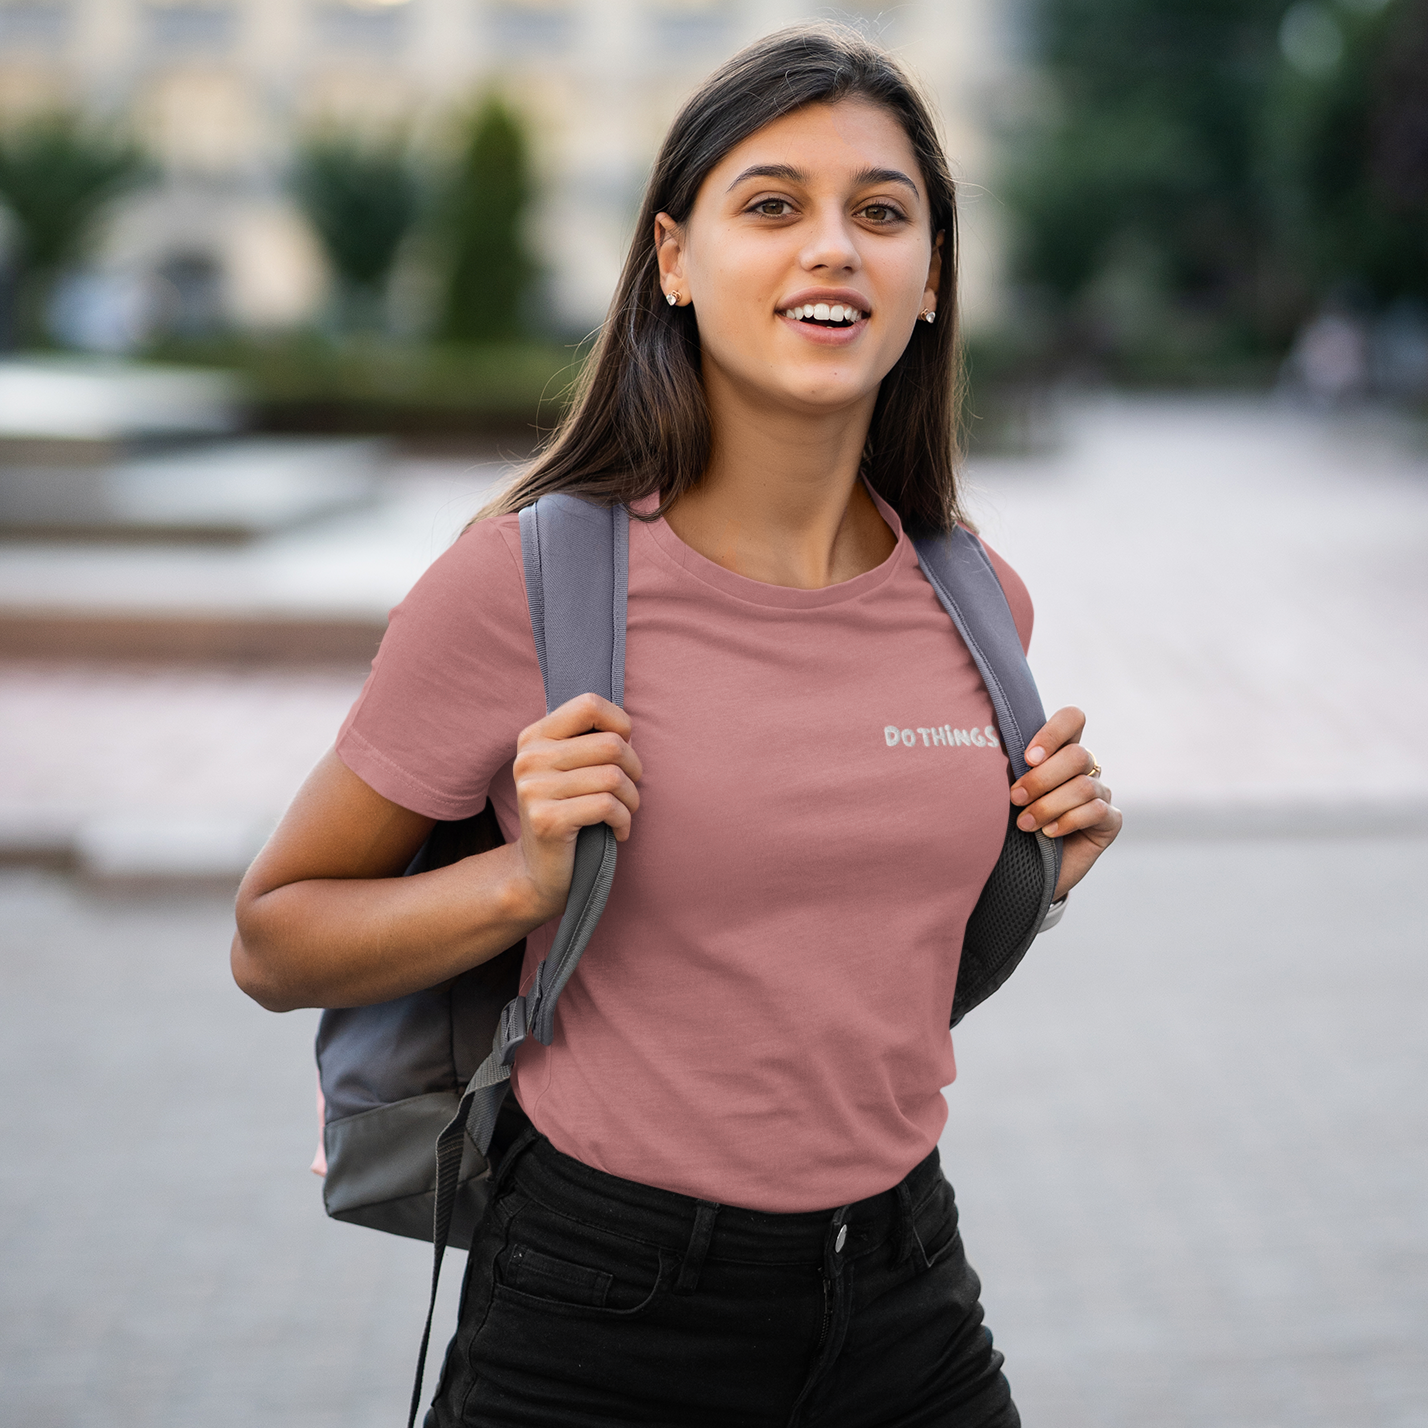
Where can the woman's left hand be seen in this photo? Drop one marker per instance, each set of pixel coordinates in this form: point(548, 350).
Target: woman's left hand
point(1063, 796)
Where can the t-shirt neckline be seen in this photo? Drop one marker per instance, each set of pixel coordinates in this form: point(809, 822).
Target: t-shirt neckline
point(756, 592)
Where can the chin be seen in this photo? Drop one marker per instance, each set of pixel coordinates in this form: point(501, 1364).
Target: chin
point(802, 386)
point(818, 392)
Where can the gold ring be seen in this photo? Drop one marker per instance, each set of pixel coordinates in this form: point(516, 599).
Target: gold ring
point(1095, 770)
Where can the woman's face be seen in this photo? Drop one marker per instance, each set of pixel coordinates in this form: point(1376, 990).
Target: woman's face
point(807, 257)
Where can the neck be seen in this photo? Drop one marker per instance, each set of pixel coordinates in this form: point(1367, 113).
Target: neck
point(781, 501)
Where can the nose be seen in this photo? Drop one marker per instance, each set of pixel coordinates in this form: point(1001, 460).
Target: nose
point(830, 246)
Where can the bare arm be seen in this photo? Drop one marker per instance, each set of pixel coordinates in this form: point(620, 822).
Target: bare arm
point(325, 920)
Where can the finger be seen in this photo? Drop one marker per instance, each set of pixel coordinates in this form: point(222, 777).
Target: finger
point(1064, 727)
point(581, 751)
point(1098, 820)
point(557, 786)
point(578, 716)
point(1058, 802)
point(1066, 763)
point(559, 820)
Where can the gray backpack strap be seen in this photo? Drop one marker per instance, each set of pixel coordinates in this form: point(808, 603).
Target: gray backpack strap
point(1014, 902)
point(576, 558)
point(577, 561)
point(957, 568)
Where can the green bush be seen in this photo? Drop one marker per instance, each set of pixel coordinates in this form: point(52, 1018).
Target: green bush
point(310, 383)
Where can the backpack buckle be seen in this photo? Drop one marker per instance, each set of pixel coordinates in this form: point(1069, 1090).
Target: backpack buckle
point(512, 1030)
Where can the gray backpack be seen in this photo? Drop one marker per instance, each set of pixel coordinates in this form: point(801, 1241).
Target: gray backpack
point(431, 1069)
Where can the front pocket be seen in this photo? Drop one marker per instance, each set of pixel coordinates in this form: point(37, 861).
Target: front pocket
point(545, 1277)
point(618, 1296)
point(569, 1267)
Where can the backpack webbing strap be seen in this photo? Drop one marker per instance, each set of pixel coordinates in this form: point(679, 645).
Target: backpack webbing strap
point(1013, 906)
point(576, 559)
point(577, 568)
point(957, 568)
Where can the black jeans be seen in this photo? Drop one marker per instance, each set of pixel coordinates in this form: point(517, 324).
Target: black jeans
point(591, 1300)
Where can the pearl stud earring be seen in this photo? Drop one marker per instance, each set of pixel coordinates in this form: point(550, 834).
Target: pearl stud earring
point(928, 315)
point(671, 298)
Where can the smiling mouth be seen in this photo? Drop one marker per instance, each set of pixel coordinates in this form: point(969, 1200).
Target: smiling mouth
point(823, 314)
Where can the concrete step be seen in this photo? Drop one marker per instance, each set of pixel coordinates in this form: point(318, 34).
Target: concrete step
point(236, 490)
point(299, 591)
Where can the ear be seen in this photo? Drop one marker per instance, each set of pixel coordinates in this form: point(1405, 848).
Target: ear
point(934, 274)
point(669, 252)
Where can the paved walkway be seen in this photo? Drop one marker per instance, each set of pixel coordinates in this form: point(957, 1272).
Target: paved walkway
point(1236, 593)
point(1190, 1147)
point(1188, 1140)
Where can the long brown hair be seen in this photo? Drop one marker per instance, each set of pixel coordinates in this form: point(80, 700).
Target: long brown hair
point(639, 423)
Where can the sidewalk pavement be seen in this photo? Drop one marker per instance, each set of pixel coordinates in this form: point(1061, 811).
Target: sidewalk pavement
point(1235, 592)
point(1189, 1140)
point(1188, 1137)
point(175, 766)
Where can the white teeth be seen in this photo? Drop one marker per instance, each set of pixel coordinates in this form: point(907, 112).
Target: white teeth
point(825, 312)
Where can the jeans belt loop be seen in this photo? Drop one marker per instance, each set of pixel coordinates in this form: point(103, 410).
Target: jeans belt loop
point(699, 1239)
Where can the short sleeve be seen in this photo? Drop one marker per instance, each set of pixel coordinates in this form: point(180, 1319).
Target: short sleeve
point(1018, 597)
point(454, 681)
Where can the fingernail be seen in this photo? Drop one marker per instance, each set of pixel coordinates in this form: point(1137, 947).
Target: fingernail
point(1020, 795)
point(1026, 823)
point(1035, 754)
point(1050, 830)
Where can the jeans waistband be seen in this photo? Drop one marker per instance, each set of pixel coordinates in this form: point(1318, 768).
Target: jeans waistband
point(665, 1218)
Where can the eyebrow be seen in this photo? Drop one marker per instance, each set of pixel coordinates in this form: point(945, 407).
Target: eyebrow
point(792, 175)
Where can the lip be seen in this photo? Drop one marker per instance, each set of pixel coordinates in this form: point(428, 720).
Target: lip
point(847, 296)
point(825, 336)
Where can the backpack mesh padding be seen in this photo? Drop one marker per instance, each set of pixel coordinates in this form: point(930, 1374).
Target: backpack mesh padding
point(1005, 920)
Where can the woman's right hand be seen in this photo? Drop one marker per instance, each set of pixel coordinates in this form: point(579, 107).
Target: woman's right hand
point(573, 769)
point(325, 918)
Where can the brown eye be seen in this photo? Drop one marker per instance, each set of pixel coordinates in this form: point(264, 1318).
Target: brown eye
point(771, 207)
point(881, 213)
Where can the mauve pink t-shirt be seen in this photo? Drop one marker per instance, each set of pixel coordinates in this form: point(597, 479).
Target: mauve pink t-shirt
point(761, 1016)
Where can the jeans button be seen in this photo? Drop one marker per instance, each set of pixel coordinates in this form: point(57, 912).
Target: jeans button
point(841, 1240)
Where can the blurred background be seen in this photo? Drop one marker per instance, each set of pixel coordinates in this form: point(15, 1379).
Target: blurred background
point(288, 286)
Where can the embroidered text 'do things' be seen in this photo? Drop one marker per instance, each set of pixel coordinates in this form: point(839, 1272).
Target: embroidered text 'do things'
point(943, 735)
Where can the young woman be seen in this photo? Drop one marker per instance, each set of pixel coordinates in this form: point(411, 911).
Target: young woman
point(729, 1209)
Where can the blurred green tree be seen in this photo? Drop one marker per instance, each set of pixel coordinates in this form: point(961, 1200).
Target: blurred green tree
point(56, 175)
point(1348, 139)
point(1157, 103)
point(490, 272)
point(362, 200)
point(1204, 172)
point(1143, 223)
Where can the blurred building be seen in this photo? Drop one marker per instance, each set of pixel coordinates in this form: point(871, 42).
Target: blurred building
point(218, 91)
